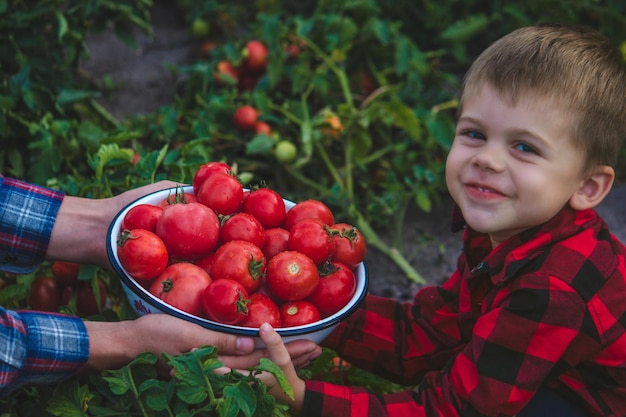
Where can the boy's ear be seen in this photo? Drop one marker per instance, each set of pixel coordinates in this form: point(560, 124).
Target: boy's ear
point(594, 188)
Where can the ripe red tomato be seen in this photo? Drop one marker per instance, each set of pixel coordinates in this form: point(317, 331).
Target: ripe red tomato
point(266, 205)
point(350, 244)
point(240, 261)
point(85, 301)
point(309, 209)
point(243, 226)
point(181, 286)
point(189, 231)
point(298, 313)
point(205, 262)
point(261, 309)
point(275, 241)
point(309, 236)
point(206, 170)
point(44, 294)
point(225, 73)
point(292, 275)
point(245, 117)
point(255, 56)
point(65, 273)
point(336, 287)
point(176, 197)
point(223, 193)
point(142, 216)
point(225, 301)
point(142, 253)
point(262, 128)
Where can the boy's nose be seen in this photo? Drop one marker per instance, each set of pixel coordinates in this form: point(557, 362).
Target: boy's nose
point(489, 158)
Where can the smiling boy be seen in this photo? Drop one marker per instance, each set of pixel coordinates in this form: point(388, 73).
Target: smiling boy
point(532, 322)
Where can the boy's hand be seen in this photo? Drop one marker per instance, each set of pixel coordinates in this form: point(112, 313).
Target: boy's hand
point(277, 352)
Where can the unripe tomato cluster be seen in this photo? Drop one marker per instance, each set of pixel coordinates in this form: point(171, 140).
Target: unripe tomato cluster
point(240, 257)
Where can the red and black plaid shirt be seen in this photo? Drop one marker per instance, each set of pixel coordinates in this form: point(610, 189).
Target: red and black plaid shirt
point(545, 309)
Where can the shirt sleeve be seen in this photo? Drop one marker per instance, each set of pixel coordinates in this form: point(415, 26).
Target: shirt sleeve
point(39, 348)
point(27, 215)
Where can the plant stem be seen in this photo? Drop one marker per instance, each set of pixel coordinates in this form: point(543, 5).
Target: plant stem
point(373, 240)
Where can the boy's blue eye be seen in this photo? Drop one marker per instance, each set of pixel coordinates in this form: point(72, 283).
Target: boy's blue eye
point(525, 148)
point(475, 135)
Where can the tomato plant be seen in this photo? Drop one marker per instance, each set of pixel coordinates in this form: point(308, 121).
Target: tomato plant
point(88, 297)
point(44, 294)
point(225, 301)
point(65, 273)
point(255, 56)
point(181, 285)
point(245, 117)
point(292, 275)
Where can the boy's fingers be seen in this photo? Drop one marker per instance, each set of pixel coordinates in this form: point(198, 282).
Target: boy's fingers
point(275, 347)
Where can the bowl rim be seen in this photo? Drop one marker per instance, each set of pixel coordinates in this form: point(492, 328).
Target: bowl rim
point(147, 297)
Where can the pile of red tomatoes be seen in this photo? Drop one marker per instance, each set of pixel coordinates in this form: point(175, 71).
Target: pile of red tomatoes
point(241, 256)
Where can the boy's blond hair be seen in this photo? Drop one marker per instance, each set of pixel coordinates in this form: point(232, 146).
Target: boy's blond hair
point(575, 67)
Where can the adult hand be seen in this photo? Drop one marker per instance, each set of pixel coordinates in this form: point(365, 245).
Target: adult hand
point(79, 233)
point(114, 344)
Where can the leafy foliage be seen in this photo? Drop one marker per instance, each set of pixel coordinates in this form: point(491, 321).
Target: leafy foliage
point(364, 91)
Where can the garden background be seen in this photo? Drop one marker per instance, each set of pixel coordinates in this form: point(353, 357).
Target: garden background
point(97, 97)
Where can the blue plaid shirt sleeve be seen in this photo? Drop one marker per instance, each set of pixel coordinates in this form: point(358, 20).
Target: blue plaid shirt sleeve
point(27, 215)
point(39, 348)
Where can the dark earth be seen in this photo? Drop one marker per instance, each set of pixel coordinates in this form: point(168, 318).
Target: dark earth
point(143, 85)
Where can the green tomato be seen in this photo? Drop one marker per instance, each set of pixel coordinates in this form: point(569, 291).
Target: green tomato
point(199, 27)
point(285, 152)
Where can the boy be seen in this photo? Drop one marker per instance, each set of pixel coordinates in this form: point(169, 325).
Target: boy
point(532, 322)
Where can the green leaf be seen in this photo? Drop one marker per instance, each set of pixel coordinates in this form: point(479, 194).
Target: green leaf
point(70, 400)
point(462, 30)
point(243, 396)
point(422, 199)
point(67, 96)
point(156, 393)
point(62, 25)
point(266, 365)
point(260, 145)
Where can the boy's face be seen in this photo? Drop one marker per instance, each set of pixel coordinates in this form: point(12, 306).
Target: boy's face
point(512, 166)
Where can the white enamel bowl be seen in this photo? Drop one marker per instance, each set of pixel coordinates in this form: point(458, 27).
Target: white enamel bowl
point(145, 303)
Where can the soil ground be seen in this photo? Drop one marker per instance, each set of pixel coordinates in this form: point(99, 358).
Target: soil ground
point(143, 85)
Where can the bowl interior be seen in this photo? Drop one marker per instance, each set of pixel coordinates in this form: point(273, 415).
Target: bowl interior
point(144, 302)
